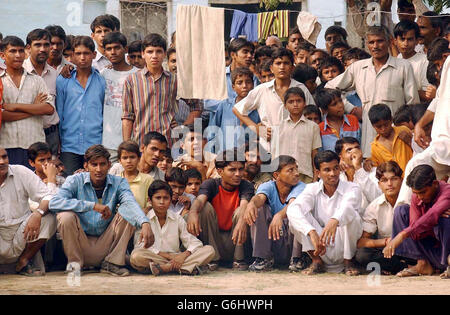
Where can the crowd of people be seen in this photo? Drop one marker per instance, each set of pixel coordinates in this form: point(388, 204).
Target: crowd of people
point(319, 160)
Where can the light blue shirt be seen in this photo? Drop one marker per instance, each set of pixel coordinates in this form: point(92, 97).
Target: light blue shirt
point(270, 190)
point(80, 111)
point(78, 195)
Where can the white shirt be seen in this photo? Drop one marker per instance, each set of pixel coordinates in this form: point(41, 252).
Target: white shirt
point(20, 185)
point(419, 63)
point(180, 206)
point(49, 75)
point(343, 206)
point(379, 216)
point(52, 189)
point(63, 63)
point(100, 62)
point(167, 237)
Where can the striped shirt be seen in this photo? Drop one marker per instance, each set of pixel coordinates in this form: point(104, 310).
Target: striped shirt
point(349, 128)
point(150, 103)
point(23, 133)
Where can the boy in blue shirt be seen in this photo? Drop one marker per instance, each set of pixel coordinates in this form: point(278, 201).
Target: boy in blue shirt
point(266, 215)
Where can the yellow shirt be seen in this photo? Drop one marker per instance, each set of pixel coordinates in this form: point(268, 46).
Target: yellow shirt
point(139, 187)
point(401, 151)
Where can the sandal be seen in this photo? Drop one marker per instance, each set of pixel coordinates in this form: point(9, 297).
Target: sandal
point(314, 269)
point(408, 272)
point(155, 269)
point(445, 274)
point(351, 271)
point(30, 271)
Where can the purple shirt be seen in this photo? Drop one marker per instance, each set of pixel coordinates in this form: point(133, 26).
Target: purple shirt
point(424, 217)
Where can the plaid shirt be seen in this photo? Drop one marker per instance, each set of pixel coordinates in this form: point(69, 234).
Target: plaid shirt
point(150, 103)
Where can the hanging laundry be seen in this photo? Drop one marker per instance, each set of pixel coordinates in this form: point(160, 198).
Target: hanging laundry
point(308, 26)
point(244, 24)
point(201, 53)
point(273, 23)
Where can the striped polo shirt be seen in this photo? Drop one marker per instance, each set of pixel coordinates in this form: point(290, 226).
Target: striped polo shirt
point(350, 128)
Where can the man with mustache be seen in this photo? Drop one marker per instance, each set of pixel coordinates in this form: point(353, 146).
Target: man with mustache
point(252, 169)
point(382, 79)
point(39, 47)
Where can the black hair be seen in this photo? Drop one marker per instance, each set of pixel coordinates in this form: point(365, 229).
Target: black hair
point(402, 115)
point(405, 26)
point(420, 177)
point(417, 111)
point(435, 20)
point(129, 146)
point(113, 38)
point(68, 43)
point(172, 36)
point(280, 52)
point(265, 65)
point(153, 135)
point(284, 160)
point(344, 140)
point(305, 45)
point(38, 34)
point(96, 151)
point(170, 51)
point(154, 40)
point(324, 97)
point(339, 45)
point(227, 157)
point(293, 91)
point(240, 43)
point(293, 31)
point(263, 51)
point(177, 175)
point(379, 112)
point(12, 41)
point(83, 41)
point(336, 29)
point(312, 109)
point(193, 173)
point(167, 153)
point(56, 31)
point(389, 166)
point(37, 148)
point(115, 21)
point(432, 70)
point(135, 46)
point(103, 20)
point(329, 62)
point(355, 53)
point(303, 72)
point(325, 157)
point(1, 36)
point(241, 71)
point(403, 4)
point(438, 47)
point(159, 185)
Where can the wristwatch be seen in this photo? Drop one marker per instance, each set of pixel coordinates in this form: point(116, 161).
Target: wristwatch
point(41, 212)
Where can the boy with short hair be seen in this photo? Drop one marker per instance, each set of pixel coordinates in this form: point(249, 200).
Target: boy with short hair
point(330, 68)
point(79, 101)
point(165, 164)
point(304, 133)
point(266, 215)
point(403, 117)
point(181, 201)
point(338, 50)
point(389, 144)
point(169, 229)
point(101, 26)
point(115, 48)
point(134, 56)
point(335, 124)
point(194, 180)
point(312, 112)
point(265, 74)
point(303, 52)
point(306, 75)
point(354, 54)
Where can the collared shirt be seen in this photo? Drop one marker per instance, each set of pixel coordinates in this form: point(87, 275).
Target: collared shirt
point(393, 85)
point(168, 237)
point(419, 63)
point(401, 151)
point(100, 62)
point(178, 207)
point(261, 178)
point(117, 170)
point(23, 133)
point(112, 111)
point(63, 63)
point(304, 137)
point(139, 187)
point(78, 195)
point(20, 185)
point(150, 103)
point(270, 190)
point(379, 216)
point(80, 111)
point(52, 188)
point(49, 75)
point(343, 206)
point(209, 161)
point(349, 128)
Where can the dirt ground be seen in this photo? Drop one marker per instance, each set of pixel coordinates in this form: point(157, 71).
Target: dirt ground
point(223, 282)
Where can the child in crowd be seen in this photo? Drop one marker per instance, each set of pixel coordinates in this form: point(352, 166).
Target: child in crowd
point(306, 75)
point(303, 52)
point(181, 201)
point(300, 131)
point(403, 117)
point(164, 255)
point(391, 143)
point(434, 78)
point(165, 164)
point(134, 56)
point(68, 48)
point(194, 180)
point(329, 69)
point(312, 112)
point(265, 74)
point(338, 50)
point(335, 124)
point(352, 55)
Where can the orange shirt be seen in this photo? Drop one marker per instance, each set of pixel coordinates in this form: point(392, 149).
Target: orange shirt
point(401, 151)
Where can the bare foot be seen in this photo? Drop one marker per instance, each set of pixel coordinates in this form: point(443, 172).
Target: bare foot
point(21, 264)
